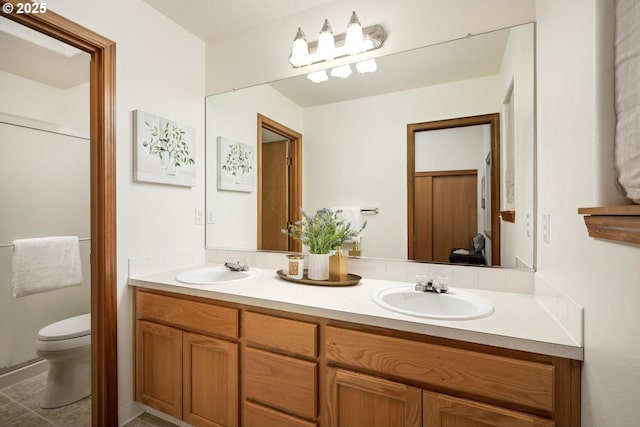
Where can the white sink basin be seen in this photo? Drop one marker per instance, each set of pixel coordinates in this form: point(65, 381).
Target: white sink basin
point(214, 276)
point(453, 305)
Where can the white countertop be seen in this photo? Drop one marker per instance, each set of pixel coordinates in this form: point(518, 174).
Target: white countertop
point(518, 322)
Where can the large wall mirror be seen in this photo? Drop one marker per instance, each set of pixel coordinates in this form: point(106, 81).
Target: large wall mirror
point(355, 148)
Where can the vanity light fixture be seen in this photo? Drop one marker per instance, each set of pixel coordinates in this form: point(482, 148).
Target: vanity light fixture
point(356, 40)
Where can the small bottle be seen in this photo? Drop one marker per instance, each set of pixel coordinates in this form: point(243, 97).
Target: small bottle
point(338, 269)
point(355, 250)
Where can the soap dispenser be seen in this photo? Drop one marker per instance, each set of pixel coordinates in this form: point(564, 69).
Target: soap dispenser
point(338, 270)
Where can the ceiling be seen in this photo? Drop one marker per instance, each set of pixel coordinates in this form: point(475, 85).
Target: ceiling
point(32, 55)
point(213, 19)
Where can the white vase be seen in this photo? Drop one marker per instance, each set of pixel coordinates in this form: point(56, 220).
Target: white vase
point(318, 268)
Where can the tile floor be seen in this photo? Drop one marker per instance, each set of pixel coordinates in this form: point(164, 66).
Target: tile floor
point(20, 407)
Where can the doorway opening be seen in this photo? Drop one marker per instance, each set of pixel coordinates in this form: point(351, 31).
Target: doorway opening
point(279, 184)
point(447, 205)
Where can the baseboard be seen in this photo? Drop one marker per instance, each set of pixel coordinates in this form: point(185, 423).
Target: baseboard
point(129, 411)
point(20, 374)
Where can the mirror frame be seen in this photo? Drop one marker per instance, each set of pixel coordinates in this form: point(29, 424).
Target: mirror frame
point(104, 354)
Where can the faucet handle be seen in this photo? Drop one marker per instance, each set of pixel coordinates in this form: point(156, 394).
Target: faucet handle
point(442, 283)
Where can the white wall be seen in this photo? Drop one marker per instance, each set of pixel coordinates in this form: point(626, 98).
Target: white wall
point(68, 108)
point(159, 69)
point(409, 23)
point(574, 115)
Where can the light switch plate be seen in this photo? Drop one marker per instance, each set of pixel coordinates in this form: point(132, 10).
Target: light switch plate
point(199, 216)
point(209, 216)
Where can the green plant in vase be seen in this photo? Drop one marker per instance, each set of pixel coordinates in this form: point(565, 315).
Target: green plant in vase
point(321, 233)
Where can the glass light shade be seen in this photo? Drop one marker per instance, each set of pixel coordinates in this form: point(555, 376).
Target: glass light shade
point(368, 66)
point(354, 41)
point(342, 71)
point(300, 50)
point(318, 76)
point(326, 44)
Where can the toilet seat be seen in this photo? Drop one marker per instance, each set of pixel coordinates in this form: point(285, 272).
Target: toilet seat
point(67, 329)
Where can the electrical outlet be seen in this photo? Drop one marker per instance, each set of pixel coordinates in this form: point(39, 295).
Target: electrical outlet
point(546, 228)
point(199, 216)
point(209, 216)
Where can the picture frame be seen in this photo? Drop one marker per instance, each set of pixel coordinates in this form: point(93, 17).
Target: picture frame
point(164, 150)
point(236, 165)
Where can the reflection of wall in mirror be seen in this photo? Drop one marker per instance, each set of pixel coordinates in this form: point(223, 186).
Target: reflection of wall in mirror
point(235, 115)
point(517, 72)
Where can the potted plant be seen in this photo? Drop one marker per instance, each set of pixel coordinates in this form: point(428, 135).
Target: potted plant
point(321, 233)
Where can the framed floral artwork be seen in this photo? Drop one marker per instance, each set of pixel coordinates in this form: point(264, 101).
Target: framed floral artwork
point(164, 150)
point(236, 165)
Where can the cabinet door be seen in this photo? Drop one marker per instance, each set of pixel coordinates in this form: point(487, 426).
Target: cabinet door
point(358, 400)
point(159, 367)
point(441, 410)
point(210, 381)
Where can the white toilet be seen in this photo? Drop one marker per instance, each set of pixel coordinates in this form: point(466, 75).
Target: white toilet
point(66, 345)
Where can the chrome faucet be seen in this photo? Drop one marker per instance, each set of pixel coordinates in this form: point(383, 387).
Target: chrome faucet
point(236, 265)
point(440, 286)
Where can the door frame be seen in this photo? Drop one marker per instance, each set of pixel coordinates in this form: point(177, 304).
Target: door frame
point(295, 175)
point(104, 371)
point(493, 120)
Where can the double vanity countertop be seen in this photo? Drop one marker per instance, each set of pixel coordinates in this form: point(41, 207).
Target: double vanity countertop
point(518, 322)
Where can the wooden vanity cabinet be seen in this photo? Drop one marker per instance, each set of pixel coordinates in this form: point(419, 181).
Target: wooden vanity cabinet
point(359, 400)
point(194, 362)
point(280, 371)
point(460, 384)
point(183, 366)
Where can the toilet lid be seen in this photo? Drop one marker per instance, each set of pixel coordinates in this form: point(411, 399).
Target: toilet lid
point(72, 327)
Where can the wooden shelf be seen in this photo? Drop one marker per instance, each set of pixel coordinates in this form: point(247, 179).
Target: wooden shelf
point(618, 223)
point(509, 216)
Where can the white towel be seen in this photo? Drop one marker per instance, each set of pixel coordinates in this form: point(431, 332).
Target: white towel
point(351, 215)
point(45, 264)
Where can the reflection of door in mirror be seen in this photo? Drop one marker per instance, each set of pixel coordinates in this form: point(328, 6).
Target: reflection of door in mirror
point(445, 158)
point(279, 184)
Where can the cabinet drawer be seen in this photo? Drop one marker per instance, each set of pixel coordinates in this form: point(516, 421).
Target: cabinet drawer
point(260, 416)
point(282, 334)
point(493, 377)
point(281, 382)
point(189, 315)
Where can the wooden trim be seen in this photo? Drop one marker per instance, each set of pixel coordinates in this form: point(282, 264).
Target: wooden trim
point(104, 371)
point(509, 216)
point(494, 121)
point(448, 173)
point(295, 182)
point(617, 223)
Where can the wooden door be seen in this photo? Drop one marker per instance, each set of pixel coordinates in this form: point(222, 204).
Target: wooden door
point(446, 213)
point(275, 198)
point(441, 410)
point(359, 400)
point(210, 381)
point(159, 367)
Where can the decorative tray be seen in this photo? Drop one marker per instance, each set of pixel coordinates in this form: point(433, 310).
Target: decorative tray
point(353, 279)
